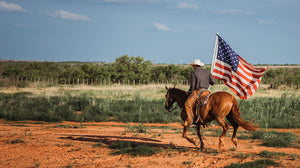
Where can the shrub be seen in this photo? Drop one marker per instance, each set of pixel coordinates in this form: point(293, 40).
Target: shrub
point(123, 147)
point(274, 138)
point(277, 155)
point(98, 144)
point(17, 140)
point(137, 129)
point(267, 154)
point(257, 164)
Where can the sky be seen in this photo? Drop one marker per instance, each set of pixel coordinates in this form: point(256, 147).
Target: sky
point(162, 31)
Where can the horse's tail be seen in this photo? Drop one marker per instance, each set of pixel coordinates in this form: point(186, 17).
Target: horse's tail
point(236, 114)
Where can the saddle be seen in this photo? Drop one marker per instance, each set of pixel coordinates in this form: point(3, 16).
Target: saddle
point(201, 101)
point(202, 98)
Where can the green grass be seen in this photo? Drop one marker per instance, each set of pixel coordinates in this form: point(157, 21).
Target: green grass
point(137, 129)
point(98, 144)
point(108, 105)
point(188, 163)
point(16, 140)
point(270, 112)
point(25, 106)
point(274, 138)
point(257, 164)
point(277, 155)
point(124, 147)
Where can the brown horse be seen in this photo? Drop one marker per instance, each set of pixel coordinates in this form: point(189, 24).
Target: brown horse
point(219, 105)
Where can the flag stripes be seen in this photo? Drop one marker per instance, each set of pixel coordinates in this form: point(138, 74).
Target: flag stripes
point(242, 78)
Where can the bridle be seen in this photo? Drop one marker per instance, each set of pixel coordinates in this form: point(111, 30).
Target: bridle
point(174, 107)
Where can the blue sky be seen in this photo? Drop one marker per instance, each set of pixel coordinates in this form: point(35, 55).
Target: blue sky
point(162, 31)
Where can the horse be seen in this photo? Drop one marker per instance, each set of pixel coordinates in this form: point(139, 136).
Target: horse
point(219, 105)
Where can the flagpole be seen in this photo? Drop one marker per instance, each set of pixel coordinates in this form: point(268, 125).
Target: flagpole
point(215, 53)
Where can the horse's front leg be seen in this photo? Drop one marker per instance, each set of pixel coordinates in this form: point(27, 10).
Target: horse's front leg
point(198, 129)
point(184, 134)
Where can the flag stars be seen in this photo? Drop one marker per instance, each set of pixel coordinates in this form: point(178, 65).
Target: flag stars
point(227, 55)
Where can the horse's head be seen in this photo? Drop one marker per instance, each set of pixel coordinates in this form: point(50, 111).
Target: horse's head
point(175, 95)
point(169, 99)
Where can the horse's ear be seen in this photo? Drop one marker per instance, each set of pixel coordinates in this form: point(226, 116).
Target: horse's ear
point(167, 87)
point(174, 86)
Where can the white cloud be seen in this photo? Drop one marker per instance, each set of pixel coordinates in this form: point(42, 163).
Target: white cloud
point(65, 15)
point(11, 7)
point(161, 27)
point(235, 12)
point(183, 5)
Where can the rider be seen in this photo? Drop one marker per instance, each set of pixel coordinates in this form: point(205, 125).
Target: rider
point(200, 79)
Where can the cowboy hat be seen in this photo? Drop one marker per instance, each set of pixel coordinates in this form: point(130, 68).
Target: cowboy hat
point(197, 62)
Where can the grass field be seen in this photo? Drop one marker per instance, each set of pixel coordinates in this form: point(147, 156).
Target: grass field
point(143, 103)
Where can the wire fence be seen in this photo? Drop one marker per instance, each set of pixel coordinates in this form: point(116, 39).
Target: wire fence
point(91, 81)
point(101, 82)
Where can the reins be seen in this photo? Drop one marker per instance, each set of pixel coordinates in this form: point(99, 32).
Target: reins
point(177, 105)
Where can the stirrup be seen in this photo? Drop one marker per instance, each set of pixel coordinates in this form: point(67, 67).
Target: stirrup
point(193, 125)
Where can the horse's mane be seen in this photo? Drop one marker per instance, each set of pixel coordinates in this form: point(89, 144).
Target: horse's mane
point(178, 91)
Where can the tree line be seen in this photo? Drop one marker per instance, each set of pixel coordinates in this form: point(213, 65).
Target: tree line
point(123, 69)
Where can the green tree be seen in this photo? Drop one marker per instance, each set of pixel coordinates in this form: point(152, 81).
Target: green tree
point(42, 70)
point(13, 71)
point(132, 68)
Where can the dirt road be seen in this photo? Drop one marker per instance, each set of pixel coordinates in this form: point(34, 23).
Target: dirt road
point(38, 144)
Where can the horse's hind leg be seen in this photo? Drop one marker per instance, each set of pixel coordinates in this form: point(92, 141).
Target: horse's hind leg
point(235, 128)
point(184, 134)
point(225, 128)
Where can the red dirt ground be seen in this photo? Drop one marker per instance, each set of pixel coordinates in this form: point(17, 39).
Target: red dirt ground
point(52, 145)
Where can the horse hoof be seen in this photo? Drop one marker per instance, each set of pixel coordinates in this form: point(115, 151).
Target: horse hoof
point(235, 142)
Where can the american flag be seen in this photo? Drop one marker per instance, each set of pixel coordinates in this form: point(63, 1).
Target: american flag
point(242, 78)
